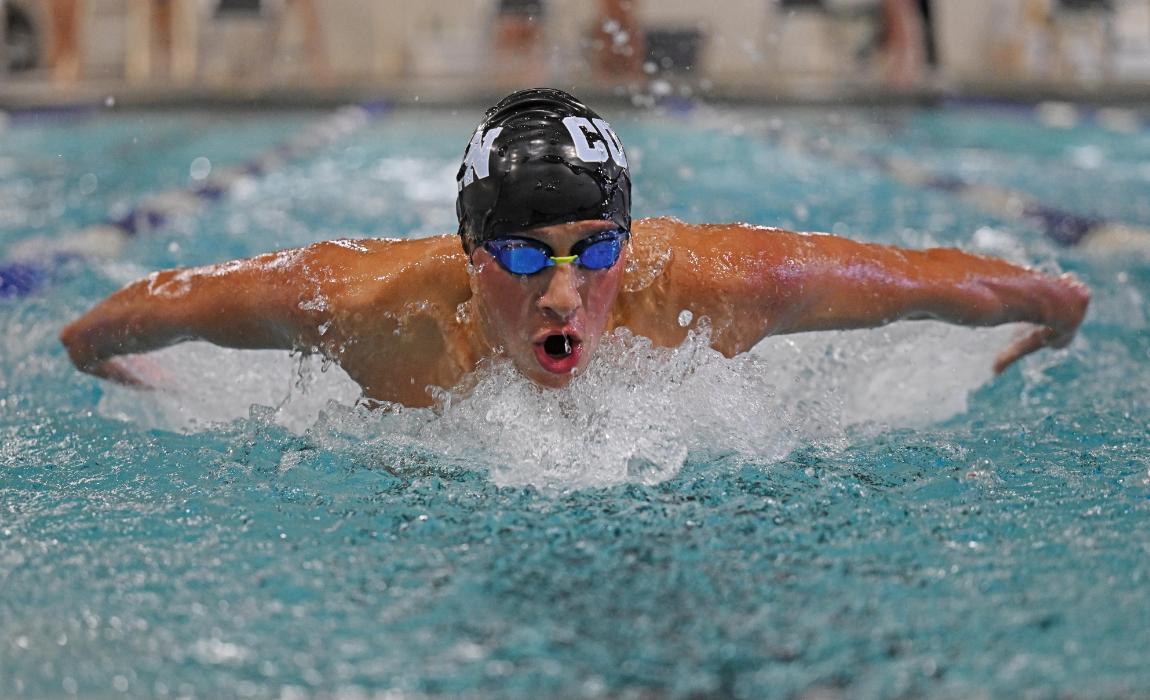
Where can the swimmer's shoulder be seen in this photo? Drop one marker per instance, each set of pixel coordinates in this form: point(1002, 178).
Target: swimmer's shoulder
point(392, 270)
point(668, 230)
point(666, 243)
point(677, 265)
point(390, 252)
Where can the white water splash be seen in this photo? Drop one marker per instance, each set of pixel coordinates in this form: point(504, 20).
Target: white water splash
point(201, 385)
point(634, 416)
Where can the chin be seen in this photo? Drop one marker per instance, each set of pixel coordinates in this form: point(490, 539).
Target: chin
point(550, 380)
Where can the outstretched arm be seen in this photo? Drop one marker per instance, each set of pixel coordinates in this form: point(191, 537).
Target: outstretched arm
point(771, 281)
point(349, 300)
point(257, 303)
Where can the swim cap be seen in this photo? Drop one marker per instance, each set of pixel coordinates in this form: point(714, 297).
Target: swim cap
point(540, 157)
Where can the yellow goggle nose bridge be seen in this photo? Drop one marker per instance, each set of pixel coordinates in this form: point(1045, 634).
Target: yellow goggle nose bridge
point(563, 259)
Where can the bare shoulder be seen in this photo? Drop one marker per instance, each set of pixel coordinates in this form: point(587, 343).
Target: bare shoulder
point(668, 248)
point(656, 236)
point(376, 256)
point(735, 275)
point(388, 312)
point(390, 271)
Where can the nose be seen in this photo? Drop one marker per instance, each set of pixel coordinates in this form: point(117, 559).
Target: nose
point(561, 297)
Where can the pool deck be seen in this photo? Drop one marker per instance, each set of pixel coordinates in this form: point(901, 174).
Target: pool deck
point(36, 94)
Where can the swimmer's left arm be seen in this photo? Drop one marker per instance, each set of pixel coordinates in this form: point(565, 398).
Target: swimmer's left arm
point(783, 282)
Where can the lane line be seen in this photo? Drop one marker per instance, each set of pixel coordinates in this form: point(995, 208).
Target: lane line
point(1063, 227)
point(32, 264)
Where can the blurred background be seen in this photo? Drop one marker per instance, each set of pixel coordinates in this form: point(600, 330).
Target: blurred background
point(252, 50)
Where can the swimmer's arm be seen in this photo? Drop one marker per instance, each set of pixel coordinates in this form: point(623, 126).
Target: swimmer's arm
point(828, 282)
point(260, 303)
point(752, 282)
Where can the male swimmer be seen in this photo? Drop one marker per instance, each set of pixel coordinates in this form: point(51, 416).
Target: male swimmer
point(551, 261)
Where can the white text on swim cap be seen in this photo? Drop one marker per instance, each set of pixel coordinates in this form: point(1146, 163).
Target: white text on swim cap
point(477, 160)
point(608, 144)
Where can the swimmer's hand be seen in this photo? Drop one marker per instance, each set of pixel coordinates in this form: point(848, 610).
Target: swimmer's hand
point(1067, 302)
point(86, 342)
point(134, 371)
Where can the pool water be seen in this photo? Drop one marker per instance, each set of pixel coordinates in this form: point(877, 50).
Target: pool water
point(856, 514)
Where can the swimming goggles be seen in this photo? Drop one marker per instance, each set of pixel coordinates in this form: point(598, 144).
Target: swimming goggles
point(527, 256)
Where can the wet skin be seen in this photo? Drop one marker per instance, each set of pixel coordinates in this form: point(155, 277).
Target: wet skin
point(404, 316)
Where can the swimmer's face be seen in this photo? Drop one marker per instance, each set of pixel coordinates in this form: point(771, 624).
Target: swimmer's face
point(548, 324)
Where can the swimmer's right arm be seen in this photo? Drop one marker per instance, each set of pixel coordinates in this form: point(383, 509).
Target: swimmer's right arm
point(259, 303)
point(233, 305)
point(338, 298)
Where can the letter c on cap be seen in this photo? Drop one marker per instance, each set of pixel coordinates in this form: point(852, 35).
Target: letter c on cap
point(588, 152)
point(613, 143)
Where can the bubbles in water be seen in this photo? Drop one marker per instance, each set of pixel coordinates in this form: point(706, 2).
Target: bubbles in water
point(88, 184)
point(636, 415)
point(200, 169)
point(1088, 157)
point(203, 386)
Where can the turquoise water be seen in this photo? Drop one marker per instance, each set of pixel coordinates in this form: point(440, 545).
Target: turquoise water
point(864, 514)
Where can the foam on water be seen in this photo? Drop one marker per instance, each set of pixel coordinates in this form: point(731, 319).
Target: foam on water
point(634, 416)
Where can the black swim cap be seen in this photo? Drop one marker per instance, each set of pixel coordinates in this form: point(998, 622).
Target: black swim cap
point(540, 157)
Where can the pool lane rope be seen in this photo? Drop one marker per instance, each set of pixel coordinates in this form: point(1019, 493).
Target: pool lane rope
point(33, 263)
point(1065, 228)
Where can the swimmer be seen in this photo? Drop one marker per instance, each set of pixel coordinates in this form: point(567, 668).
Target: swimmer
point(550, 261)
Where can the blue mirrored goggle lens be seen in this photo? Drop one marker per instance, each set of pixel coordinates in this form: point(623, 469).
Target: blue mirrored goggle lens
point(523, 259)
point(519, 257)
point(526, 257)
point(600, 255)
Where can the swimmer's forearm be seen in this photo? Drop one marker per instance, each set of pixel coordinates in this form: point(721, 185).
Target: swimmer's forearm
point(827, 283)
point(979, 291)
point(866, 285)
point(973, 290)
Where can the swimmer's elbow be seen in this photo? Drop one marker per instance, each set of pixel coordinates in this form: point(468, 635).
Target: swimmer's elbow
point(75, 337)
point(732, 342)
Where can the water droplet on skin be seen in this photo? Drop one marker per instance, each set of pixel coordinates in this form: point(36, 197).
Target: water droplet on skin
point(685, 317)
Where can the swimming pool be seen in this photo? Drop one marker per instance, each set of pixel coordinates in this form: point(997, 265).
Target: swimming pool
point(867, 514)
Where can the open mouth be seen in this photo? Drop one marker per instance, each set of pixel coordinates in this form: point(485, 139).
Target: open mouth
point(558, 346)
point(559, 352)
